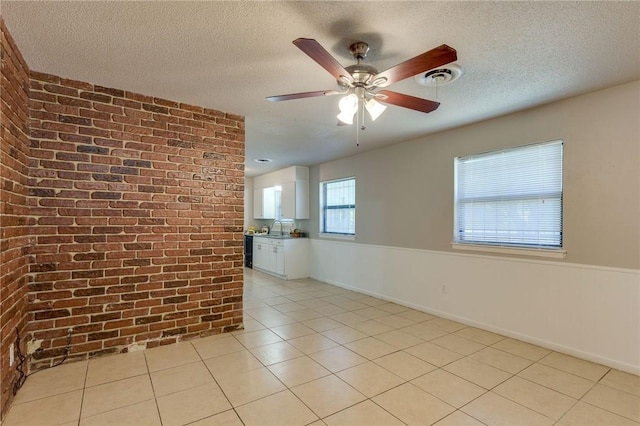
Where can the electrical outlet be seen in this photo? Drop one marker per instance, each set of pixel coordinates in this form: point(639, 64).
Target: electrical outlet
point(12, 357)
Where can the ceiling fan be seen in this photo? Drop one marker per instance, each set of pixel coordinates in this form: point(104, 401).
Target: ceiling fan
point(361, 82)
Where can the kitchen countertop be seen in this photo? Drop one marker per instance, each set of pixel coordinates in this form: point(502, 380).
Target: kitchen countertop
point(276, 236)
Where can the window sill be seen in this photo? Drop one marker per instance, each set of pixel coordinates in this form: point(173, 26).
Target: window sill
point(551, 253)
point(337, 236)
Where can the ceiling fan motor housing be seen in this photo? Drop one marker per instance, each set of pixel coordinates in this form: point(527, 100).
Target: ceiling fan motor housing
point(361, 74)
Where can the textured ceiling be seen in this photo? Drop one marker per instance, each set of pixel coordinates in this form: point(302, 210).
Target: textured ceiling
point(231, 55)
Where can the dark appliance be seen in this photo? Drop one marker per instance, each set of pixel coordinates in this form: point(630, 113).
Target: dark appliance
point(248, 251)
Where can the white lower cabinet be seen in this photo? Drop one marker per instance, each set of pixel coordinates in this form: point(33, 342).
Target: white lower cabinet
point(260, 255)
point(284, 258)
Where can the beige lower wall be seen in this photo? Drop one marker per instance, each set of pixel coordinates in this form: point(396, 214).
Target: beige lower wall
point(404, 192)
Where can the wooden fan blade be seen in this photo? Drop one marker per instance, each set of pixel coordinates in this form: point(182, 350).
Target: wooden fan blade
point(406, 101)
point(316, 52)
point(291, 96)
point(434, 58)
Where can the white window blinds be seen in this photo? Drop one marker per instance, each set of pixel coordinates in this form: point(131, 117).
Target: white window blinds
point(511, 197)
point(339, 206)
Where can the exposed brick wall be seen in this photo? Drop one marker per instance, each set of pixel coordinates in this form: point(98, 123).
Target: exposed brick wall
point(138, 203)
point(14, 214)
point(121, 218)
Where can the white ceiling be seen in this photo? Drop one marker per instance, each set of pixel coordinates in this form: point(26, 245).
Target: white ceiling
point(231, 55)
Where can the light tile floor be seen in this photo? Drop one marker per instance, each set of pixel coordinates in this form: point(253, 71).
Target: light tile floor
point(316, 354)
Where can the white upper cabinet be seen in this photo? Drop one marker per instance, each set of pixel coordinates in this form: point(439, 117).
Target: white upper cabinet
point(264, 203)
point(257, 203)
point(295, 200)
point(269, 203)
point(282, 195)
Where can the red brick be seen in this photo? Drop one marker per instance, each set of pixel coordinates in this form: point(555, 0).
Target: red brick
point(122, 200)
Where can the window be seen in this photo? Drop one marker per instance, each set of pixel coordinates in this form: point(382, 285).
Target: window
point(511, 197)
point(338, 206)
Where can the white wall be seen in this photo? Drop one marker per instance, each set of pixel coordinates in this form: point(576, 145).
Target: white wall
point(586, 311)
point(587, 304)
point(248, 202)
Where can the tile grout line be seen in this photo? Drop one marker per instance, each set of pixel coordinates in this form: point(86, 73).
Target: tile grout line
point(368, 360)
point(331, 374)
point(153, 389)
point(218, 384)
point(287, 388)
point(398, 350)
point(84, 387)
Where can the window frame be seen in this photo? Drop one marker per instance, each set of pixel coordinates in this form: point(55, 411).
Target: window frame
point(324, 208)
point(510, 247)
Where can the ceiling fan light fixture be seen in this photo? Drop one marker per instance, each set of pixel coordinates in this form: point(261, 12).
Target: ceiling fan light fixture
point(346, 117)
point(374, 108)
point(348, 107)
point(348, 104)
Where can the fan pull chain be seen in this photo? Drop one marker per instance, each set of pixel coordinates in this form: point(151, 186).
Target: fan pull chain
point(358, 125)
point(357, 130)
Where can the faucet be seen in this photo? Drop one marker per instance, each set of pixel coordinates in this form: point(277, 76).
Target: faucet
point(274, 224)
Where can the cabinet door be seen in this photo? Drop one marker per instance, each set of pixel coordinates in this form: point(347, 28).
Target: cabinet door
point(258, 202)
point(295, 200)
point(264, 203)
point(259, 256)
point(302, 199)
point(256, 255)
point(279, 260)
point(269, 203)
point(296, 258)
point(273, 250)
point(289, 200)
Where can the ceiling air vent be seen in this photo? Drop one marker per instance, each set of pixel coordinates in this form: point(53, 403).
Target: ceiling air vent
point(440, 76)
point(262, 160)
